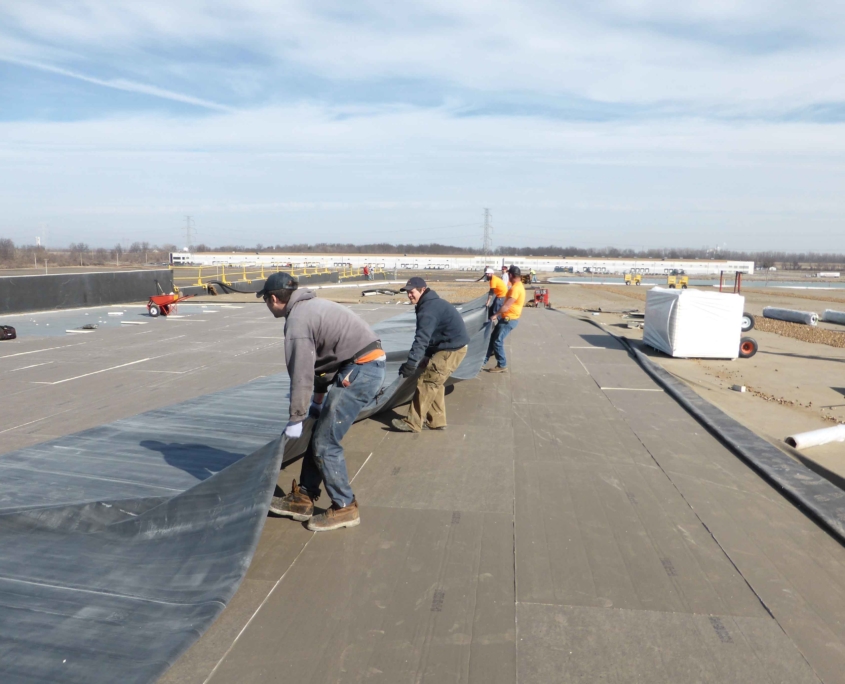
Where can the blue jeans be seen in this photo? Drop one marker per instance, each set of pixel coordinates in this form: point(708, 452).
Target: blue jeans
point(495, 305)
point(497, 342)
point(324, 461)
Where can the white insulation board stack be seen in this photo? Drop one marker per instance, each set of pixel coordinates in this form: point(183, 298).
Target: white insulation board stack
point(693, 324)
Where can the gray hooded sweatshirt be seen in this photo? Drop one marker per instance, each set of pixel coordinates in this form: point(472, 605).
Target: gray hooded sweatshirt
point(319, 337)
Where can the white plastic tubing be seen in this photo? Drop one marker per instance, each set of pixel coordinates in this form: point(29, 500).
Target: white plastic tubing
point(805, 317)
point(831, 316)
point(813, 438)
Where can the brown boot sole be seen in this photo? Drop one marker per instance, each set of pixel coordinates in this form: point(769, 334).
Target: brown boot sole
point(336, 525)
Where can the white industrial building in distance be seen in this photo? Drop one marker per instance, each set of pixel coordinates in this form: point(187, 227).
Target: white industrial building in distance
point(423, 262)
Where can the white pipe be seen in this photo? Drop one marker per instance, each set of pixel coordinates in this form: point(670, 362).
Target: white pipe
point(805, 317)
point(813, 438)
point(831, 316)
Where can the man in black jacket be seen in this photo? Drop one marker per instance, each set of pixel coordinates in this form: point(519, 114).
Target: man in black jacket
point(440, 344)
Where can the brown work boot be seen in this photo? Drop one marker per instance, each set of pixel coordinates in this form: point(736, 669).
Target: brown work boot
point(297, 505)
point(335, 518)
point(497, 369)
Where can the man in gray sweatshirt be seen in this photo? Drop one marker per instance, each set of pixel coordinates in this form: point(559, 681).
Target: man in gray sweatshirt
point(336, 367)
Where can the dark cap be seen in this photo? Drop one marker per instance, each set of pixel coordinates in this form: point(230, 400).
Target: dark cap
point(278, 281)
point(514, 271)
point(415, 283)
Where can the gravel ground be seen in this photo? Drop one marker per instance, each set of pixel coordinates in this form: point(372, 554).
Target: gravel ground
point(823, 296)
point(631, 291)
point(805, 333)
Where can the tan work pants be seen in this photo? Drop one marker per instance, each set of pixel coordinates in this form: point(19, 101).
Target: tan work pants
point(429, 402)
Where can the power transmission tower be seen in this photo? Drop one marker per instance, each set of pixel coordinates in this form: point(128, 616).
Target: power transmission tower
point(487, 246)
point(189, 231)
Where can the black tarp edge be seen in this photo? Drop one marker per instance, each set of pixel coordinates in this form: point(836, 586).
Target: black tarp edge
point(103, 591)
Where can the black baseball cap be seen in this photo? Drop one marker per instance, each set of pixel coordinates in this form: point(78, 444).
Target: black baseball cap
point(514, 271)
point(278, 281)
point(415, 283)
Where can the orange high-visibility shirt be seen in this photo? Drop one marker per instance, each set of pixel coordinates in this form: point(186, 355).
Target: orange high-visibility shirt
point(498, 286)
point(517, 291)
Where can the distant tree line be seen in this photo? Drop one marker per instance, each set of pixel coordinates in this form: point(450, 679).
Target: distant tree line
point(139, 253)
point(81, 254)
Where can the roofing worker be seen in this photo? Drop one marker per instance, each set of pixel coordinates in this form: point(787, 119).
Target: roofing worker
point(496, 295)
point(507, 317)
point(440, 344)
point(328, 349)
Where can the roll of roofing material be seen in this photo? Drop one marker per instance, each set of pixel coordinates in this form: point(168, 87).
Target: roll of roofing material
point(805, 317)
point(831, 316)
point(805, 440)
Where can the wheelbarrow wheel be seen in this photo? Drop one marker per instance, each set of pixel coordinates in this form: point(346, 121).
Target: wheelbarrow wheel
point(747, 347)
point(747, 322)
point(154, 310)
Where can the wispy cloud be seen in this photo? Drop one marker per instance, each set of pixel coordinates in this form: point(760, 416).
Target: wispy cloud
point(121, 84)
point(628, 116)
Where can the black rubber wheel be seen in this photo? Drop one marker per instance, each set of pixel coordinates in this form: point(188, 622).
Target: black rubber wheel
point(747, 322)
point(627, 282)
point(637, 283)
point(747, 347)
point(154, 310)
point(683, 287)
point(671, 287)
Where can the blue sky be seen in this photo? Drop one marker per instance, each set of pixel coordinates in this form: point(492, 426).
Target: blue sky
point(626, 122)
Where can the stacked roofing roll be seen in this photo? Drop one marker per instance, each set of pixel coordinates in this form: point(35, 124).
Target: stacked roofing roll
point(831, 316)
point(805, 317)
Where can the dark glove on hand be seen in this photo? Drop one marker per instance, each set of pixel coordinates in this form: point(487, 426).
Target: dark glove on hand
point(406, 370)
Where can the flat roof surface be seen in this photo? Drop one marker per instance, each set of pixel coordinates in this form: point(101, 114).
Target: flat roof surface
point(573, 523)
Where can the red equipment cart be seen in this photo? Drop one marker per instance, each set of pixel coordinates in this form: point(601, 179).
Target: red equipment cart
point(541, 298)
point(164, 304)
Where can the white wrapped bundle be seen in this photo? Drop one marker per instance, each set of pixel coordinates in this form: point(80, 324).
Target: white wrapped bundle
point(831, 316)
point(693, 323)
point(805, 317)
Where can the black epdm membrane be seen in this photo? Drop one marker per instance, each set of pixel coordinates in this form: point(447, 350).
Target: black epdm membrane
point(117, 550)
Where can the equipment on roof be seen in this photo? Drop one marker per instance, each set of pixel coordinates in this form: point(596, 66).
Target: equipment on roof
point(541, 298)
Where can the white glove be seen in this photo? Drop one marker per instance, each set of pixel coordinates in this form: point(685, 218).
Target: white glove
point(293, 430)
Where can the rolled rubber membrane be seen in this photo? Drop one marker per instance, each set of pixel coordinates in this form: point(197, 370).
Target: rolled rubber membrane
point(805, 317)
point(119, 548)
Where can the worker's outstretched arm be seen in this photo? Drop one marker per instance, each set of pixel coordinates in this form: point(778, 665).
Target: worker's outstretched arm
point(300, 355)
point(426, 323)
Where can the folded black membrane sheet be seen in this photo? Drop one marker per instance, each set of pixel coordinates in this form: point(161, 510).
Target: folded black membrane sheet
point(118, 549)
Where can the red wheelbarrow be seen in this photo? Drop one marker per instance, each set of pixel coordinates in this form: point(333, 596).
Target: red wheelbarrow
point(164, 304)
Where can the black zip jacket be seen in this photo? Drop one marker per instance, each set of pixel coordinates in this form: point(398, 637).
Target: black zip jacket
point(439, 328)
